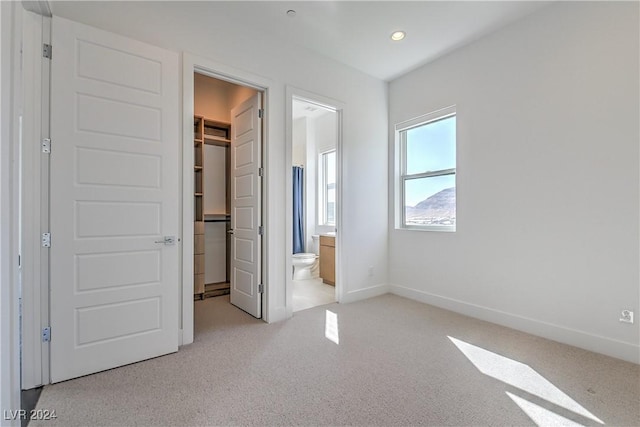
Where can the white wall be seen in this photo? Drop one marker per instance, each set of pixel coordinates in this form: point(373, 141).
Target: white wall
point(215, 252)
point(548, 178)
point(325, 132)
point(299, 149)
point(211, 98)
point(215, 203)
point(214, 179)
point(214, 98)
point(364, 240)
point(303, 154)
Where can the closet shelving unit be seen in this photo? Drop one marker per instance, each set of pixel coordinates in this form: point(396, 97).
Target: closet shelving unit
point(213, 132)
point(198, 226)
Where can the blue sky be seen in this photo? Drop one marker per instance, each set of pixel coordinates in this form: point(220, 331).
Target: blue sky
point(429, 148)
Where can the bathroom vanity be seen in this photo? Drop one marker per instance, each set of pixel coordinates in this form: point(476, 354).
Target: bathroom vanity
point(328, 259)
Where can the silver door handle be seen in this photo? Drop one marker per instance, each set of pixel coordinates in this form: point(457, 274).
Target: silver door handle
point(230, 231)
point(168, 240)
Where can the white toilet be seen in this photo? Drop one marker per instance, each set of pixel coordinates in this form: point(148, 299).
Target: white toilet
point(305, 265)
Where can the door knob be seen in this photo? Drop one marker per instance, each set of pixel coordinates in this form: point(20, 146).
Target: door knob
point(167, 240)
point(230, 231)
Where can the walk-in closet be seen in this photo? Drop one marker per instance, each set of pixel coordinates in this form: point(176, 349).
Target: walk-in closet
point(213, 102)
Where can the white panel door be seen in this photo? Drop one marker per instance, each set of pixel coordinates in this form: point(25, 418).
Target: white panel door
point(246, 155)
point(114, 196)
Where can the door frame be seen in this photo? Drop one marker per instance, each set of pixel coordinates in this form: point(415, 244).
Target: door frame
point(191, 64)
point(34, 198)
point(333, 104)
point(11, 104)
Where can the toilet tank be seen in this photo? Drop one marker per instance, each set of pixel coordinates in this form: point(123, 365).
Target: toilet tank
point(315, 244)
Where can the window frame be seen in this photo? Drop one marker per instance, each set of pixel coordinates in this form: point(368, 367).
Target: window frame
point(402, 177)
point(323, 188)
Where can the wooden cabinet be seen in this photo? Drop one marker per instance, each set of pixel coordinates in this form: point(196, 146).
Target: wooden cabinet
point(328, 259)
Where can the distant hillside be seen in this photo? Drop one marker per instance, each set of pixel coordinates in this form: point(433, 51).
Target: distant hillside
point(437, 209)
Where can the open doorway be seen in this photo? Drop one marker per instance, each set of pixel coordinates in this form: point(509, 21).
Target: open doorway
point(227, 171)
point(314, 179)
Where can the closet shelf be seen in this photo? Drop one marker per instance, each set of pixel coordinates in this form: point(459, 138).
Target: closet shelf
point(217, 217)
point(216, 139)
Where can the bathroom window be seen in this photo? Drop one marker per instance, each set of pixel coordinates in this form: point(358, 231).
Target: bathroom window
point(327, 193)
point(426, 149)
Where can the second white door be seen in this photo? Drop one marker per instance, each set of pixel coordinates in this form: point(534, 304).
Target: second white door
point(246, 160)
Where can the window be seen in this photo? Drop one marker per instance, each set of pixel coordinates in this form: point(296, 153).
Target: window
point(327, 191)
point(427, 171)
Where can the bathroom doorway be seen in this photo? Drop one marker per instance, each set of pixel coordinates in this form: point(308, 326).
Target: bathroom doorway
point(314, 156)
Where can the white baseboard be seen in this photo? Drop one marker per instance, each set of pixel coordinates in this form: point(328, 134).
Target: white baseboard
point(364, 293)
point(599, 344)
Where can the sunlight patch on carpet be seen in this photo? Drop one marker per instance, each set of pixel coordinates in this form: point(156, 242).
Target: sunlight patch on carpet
point(522, 377)
point(541, 416)
point(331, 327)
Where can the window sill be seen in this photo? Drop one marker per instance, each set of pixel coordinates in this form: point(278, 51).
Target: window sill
point(442, 228)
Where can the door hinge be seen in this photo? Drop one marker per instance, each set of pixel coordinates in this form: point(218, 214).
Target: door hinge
point(46, 146)
point(47, 51)
point(46, 240)
point(261, 230)
point(260, 288)
point(46, 334)
point(261, 172)
point(260, 113)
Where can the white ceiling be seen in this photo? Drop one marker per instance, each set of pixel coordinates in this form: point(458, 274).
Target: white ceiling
point(356, 33)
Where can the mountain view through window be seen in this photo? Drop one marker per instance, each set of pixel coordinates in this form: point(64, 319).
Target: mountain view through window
point(429, 178)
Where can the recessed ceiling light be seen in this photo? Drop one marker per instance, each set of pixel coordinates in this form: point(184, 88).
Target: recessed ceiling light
point(291, 13)
point(397, 35)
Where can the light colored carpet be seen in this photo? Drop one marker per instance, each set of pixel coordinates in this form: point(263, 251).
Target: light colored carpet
point(312, 293)
point(395, 365)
